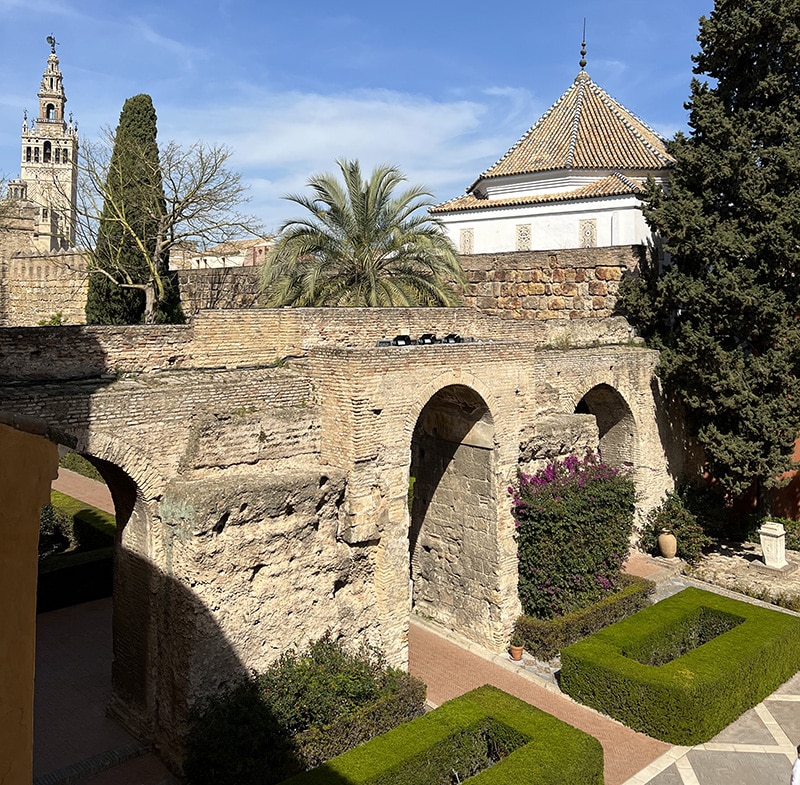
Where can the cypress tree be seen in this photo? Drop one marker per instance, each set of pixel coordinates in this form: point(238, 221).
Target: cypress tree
point(724, 308)
point(133, 210)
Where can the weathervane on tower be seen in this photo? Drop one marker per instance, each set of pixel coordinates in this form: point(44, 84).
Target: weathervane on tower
point(53, 43)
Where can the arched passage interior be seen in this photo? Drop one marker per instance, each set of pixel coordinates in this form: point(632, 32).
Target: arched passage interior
point(453, 547)
point(131, 614)
point(615, 424)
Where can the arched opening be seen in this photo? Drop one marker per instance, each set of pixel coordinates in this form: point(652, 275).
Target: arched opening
point(108, 655)
point(51, 111)
point(453, 546)
point(47, 152)
point(615, 424)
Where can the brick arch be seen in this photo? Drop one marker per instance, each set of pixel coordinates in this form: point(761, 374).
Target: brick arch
point(453, 539)
point(124, 454)
point(447, 379)
point(616, 423)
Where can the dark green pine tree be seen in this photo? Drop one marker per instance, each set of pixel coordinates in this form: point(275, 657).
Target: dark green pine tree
point(724, 308)
point(133, 208)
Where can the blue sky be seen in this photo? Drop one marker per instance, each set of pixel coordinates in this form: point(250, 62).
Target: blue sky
point(440, 88)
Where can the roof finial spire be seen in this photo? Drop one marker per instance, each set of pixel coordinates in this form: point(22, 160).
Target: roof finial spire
point(582, 62)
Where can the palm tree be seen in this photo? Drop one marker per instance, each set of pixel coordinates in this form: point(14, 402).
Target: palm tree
point(362, 246)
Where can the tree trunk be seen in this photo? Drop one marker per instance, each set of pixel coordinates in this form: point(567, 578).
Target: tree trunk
point(150, 303)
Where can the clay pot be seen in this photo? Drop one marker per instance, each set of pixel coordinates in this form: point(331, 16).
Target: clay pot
point(667, 545)
point(516, 652)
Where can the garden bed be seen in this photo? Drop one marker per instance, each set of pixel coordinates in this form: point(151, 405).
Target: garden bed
point(696, 694)
point(544, 638)
point(507, 740)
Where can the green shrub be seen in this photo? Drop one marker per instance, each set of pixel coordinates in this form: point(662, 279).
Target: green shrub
point(302, 710)
point(93, 528)
point(463, 735)
point(544, 638)
point(686, 634)
point(403, 699)
point(67, 524)
point(673, 516)
point(692, 698)
point(78, 464)
point(574, 520)
point(56, 531)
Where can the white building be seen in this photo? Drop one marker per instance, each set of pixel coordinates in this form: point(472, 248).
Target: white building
point(574, 180)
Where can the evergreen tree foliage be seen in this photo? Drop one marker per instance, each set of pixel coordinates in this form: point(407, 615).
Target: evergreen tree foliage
point(130, 226)
point(362, 245)
point(724, 308)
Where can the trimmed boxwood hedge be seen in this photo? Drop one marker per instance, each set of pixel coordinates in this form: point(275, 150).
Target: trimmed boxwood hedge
point(692, 698)
point(553, 753)
point(82, 572)
point(545, 638)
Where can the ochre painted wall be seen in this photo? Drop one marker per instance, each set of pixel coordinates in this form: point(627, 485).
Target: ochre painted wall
point(27, 465)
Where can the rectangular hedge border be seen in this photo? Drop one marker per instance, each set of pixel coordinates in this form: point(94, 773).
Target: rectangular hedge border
point(556, 753)
point(545, 638)
point(691, 699)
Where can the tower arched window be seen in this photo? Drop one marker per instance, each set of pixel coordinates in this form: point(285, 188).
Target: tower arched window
point(48, 152)
point(66, 156)
point(36, 155)
point(27, 153)
point(58, 156)
point(50, 112)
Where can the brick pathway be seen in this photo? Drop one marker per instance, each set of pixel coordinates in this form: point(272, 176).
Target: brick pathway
point(451, 666)
point(83, 488)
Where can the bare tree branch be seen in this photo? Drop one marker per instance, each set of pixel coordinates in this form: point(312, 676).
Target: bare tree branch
point(200, 208)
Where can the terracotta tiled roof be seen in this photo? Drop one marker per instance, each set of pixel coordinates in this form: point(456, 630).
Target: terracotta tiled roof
point(584, 129)
point(613, 185)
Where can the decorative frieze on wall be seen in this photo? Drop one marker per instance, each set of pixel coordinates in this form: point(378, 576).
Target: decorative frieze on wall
point(523, 237)
point(467, 241)
point(587, 231)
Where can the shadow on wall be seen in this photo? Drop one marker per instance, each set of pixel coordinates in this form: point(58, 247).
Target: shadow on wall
point(166, 641)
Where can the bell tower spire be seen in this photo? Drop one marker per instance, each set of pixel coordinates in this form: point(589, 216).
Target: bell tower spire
point(51, 92)
point(49, 171)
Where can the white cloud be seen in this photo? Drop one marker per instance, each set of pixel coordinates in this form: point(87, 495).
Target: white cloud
point(280, 139)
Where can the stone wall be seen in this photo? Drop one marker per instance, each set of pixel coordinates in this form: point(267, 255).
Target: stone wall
point(38, 288)
point(567, 285)
point(262, 503)
point(220, 288)
point(575, 283)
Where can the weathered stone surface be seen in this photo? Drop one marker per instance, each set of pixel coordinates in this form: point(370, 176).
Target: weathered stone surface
point(555, 436)
point(261, 502)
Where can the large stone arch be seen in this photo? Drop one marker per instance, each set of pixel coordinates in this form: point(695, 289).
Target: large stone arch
point(453, 541)
point(138, 584)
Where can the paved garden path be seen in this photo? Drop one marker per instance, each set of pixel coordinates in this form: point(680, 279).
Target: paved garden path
point(451, 666)
point(83, 488)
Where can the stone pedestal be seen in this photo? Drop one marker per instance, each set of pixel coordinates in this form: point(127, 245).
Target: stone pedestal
point(773, 545)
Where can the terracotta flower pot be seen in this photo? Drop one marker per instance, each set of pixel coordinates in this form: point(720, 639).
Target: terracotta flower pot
point(667, 545)
point(516, 652)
